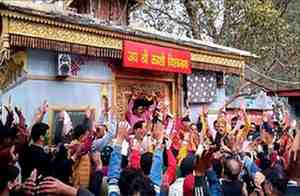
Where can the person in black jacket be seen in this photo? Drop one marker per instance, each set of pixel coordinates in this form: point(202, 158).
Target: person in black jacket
point(36, 157)
point(62, 165)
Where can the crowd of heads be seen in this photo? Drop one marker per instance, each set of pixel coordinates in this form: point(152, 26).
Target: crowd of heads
point(152, 152)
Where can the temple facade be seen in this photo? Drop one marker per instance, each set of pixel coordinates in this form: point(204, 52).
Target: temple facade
point(83, 53)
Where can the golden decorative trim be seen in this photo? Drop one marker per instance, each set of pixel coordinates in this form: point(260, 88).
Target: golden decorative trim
point(46, 20)
point(179, 94)
point(114, 89)
point(152, 78)
point(31, 42)
point(70, 79)
point(216, 68)
point(217, 60)
point(45, 31)
point(174, 103)
point(69, 109)
point(67, 3)
point(13, 69)
point(4, 26)
point(45, 28)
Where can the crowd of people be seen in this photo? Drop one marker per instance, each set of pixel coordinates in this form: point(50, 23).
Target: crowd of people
point(150, 152)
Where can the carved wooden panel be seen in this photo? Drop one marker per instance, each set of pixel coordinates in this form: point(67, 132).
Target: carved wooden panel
point(126, 87)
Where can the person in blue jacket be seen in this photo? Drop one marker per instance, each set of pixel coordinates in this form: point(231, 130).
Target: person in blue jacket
point(133, 182)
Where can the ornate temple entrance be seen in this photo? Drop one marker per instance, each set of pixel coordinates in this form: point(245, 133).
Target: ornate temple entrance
point(126, 84)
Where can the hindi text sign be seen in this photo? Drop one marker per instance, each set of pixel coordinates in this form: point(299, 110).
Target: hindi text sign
point(145, 56)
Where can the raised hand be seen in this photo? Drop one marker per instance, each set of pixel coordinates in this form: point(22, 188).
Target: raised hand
point(44, 107)
point(21, 118)
point(294, 162)
point(243, 105)
point(135, 145)
point(29, 186)
point(187, 137)
point(113, 111)
point(259, 178)
point(204, 161)
point(123, 129)
point(9, 118)
point(88, 112)
point(205, 109)
point(158, 131)
point(53, 186)
point(294, 166)
point(96, 157)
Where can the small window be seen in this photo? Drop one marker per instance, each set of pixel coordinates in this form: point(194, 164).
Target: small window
point(77, 117)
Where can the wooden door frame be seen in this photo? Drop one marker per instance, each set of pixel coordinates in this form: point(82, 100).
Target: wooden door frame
point(174, 81)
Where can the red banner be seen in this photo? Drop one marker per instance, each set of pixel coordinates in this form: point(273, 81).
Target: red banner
point(145, 56)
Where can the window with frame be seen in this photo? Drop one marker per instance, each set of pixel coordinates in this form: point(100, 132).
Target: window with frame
point(76, 116)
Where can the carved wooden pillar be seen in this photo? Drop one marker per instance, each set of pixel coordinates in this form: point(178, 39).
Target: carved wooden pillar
point(5, 52)
point(179, 84)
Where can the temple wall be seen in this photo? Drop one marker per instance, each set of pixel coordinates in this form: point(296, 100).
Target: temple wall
point(71, 94)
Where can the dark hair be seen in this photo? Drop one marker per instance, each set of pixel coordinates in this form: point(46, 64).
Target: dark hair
point(217, 167)
point(79, 131)
point(38, 130)
point(276, 146)
point(138, 125)
point(234, 119)
point(215, 122)
point(186, 119)
point(187, 165)
point(265, 163)
point(8, 132)
point(62, 153)
point(62, 168)
point(124, 162)
point(102, 125)
point(9, 173)
point(134, 181)
point(165, 158)
point(199, 125)
point(268, 129)
point(105, 155)
point(294, 133)
point(146, 162)
point(278, 179)
point(142, 102)
point(155, 118)
point(8, 135)
point(232, 168)
point(275, 123)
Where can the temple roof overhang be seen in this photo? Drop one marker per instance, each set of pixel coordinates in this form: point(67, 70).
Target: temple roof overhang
point(285, 93)
point(68, 3)
point(31, 26)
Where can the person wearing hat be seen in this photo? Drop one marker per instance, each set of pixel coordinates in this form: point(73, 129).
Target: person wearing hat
point(36, 156)
point(139, 109)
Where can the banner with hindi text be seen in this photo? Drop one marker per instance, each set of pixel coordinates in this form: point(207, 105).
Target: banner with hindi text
point(151, 57)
